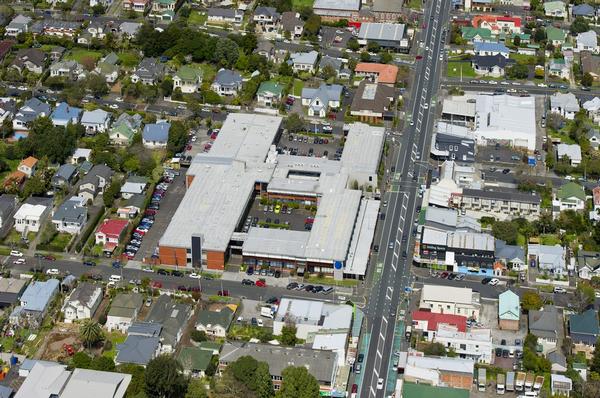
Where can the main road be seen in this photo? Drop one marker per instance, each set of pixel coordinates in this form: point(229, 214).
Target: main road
point(401, 199)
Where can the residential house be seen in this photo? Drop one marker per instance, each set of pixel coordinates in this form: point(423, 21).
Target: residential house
point(132, 207)
point(56, 53)
point(64, 176)
point(439, 371)
point(269, 93)
point(588, 41)
point(491, 65)
point(164, 9)
point(110, 234)
point(8, 206)
point(373, 102)
point(29, 217)
point(11, 290)
point(546, 326)
point(571, 152)
point(328, 62)
point(570, 196)
point(291, 22)
point(130, 29)
point(28, 166)
point(64, 114)
point(30, 59)
point(227, 82)
point(549, 259)
point(173, 317)
point(124, 309)
point(266, 18)
point(140, 6)
point(509, 310)
point(556, 9)
point(391, 36)
point(590, 64)
point(31, 110)
point(34, 303)
point(588, 262)
point(95, 182)
point(472, 35)
point(124, 128)
point(108, 68)
point(71, 216)
point(134, 185)
point(592, 108)
point(194, 361)
point(556, 36)
point(320, 100)
point(149, 72)
point(583, 10)
point(428, 322)
point(187, 79)
point(512, 256)
point(450, 300)
point(71, 70)
point(81, 155)
point(95, 30)
point(141, 345)
point(267, 50)
point(96, 121)
point(560, 68)
point(304, 61)
point(584, 331)
point(564, 104)
point(82, 302)
point(377, 73)
point(215, 323)
point(475, 344)
point(323, 365)
point(491, 49)
point(225, 15)
point(19, 24)
point(156, 135)
point(497, 24)
point(561, 386)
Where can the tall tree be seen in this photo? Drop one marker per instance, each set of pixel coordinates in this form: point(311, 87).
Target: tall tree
point(298, 383)
point(90, 332)
point(164, 378)
point(288, 335)
point(531, 301)
point(196, 389)
point(587, 80)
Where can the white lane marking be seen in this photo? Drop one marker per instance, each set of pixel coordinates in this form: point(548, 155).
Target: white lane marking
point(393, 266)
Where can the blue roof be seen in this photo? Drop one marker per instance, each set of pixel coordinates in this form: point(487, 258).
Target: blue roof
point(38, 294)
point(493, 47)
point(508, 306)
point(65, 113)
point(156, 132)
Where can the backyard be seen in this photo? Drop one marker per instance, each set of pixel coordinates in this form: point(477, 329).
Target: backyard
point(129, 59)
point(115, 337)
point(79, 55)
point(197, 18)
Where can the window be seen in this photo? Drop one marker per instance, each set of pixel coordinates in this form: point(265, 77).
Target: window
point(463, 346)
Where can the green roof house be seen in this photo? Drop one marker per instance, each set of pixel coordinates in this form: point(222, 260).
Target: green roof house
point(570, 196)
point(164, 9)
point(194, 360)
point(187, 79)
point(584, 329)
point(411, 390)
point(269, 93)
point(215, 323)
point(124, 128)
point(471, 34)
point(556, 36)
point(509, 311)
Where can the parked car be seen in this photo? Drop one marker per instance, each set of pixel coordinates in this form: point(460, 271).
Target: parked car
point(53, 271)
point(89, 263)
point(223, 293)
point(247, 282)
point(291, 286)
point(260, 283)
point(16, 253)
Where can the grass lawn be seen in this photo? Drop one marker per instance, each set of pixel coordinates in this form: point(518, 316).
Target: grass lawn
point(297, 4)
point(197, 18)
point(208, 72)
point(78, 54)
point(454, 69)
point(60, 241)
point(9, 343)
point(115, 338)
point(549, 240)
point(298, 86)
point(415, 4)
point(332, 282)
point(523, 59)
point(129, 59)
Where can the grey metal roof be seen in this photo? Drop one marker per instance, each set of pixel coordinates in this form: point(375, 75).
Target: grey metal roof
point(66, 171)
point(221, 318)
point(72, 212)
point(8, 203)
point(222, 12)
point(470, 240)
point(137, 349)
point(508, 252)
point(544, 323)
point(488, 61)
point(381, 31)
point(156, 132)
point(84, 293)
point(171, 315)
point(265, 242)
point(503, 194)
point(352, 5)
point(228, 77)
point(326, 60)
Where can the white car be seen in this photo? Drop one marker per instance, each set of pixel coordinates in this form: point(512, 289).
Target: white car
point(542, 85)
point(494, 282)
point(560, 290)
point(380, 384)
point(53, 271)
point(194, 275)
point(597, 294)
point(113, 106)
point(19, 261)
point(426, 106)
point(259, 322)
point(16, 253)
point(119, 99)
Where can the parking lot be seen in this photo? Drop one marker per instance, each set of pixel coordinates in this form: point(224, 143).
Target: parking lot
point(508, 341)
point(305, 145)
point(294, 219)
point(501, 154)
point(168, 205)
point(251, 309)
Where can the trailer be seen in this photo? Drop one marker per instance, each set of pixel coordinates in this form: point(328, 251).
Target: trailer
point(529, 381)
point(538, 383)
point(510, 381)
point(481, 379)
point(520, 383)
point(500, 384)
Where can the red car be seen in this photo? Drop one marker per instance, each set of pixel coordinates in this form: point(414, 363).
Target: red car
point(309, 220)
point(260, 283)
point(150, 212)
point(213, 136)
point(156, 284)
point(189, 147)
point(418, 57)
point(139, 231)
point(223, 293)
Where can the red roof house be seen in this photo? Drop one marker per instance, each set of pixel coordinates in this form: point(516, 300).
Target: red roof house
point(110, 233)
point(428, 322)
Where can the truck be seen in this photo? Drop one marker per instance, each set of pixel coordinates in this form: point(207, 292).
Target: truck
point(529, 381)
point(408, 333)
point(267, 312)
point(481, 379)
point(538, 383)
point(510, 381)
point(520, 383)
point(500, 384)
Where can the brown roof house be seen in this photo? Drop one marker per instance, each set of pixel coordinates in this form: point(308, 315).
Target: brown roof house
point(373, 102)
point(590, 64)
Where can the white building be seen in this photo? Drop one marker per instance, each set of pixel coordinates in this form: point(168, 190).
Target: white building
point(82, 302)
point(450, 300)
point(564, 104)
point(571, 151)
point(29, 217)
point(311, 316)
point(474, 344)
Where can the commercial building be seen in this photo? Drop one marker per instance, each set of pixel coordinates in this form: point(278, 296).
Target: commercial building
point(476, 344)
point(387, 35)
point(507, 202)
point(428, 323)
point(450, 300)
point(440, 371)
point(337, 9)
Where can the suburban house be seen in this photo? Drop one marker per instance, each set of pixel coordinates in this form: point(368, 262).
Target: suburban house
point(219, 15)
point(34, 303)
point(11, 290)
point(27, 166)
point(129, 29)
point(590, 64)
point(291, 22)
point(194, 360)
point(320, 100)
point(472, 35)
point(490, 65)
point(96, 121)
point(173, 317)
point(70, 216)
point(491, 49)
point(124, 128)
point(588, 264)
point(509, 310)
point(123, 311)
point(267, 18)
point(134, 185)
point(584, 331)
point(215, 323)
point(267, 50)
point(31, 110)
point(269, 93)
point(326, 62)
point(82, 302)
point(149, 72)
point(29, 217)
point(450, 300)
point(511, 256)
point(141, 345)
point(571, 152)
point(546, 326)
point(132, 206)
point(64, 176)
point(428, 322)
point(80, 155)
point(547, 258)
point(587, 41)
point(564, 104)
point(8, 205)
point(377, 73)
point(304, 62)
point(556, 36)
point(187, 79)
point(227, 82)
point(110, 233)
point(593, 109)
point(556, 9)
point(71, 70)
point(164, 9)
point(570, 196)
point(137, 6)
point(108, 68)
point(373, 102)
point(560, 68)
point(19, 24)
point(583, 10)
point(95, 182)
point(560, 385)
point(31, 59)
point(156, 135)
point(64, 114)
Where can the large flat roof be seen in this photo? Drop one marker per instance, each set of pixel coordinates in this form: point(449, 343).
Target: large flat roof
point(267, 242)
point(343, 5)
point(360, 247)
point(447, 294)
point(362, 149)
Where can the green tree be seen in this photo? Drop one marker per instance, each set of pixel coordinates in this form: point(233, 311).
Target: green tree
point(166, 86)
point(579, 25)
point(435, 349)
point(137, 372)
point(294, 123)
point(584, 295)
point(365, 56)
point(288, 335)
point(177, 137)
point(81, 360)
point(312, 26)
point(252, 374)
point(111, 193)
point(587, 80)
point(164, 378)
point(96, 84)
point(34, 186)
point(595, 363)
point(518, 71)
point(352, 44)
point(298, 383)
point(385, 57)
point(328, 72)
point(196, 389)
point(103, 363)
point(539, 35)
point(506, 231)
point(90, 332)
point(226, 53)
point(531, 301)
point(517, 41)
point(285, 69)
point(198, 336)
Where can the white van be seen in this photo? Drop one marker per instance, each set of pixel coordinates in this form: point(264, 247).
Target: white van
point(267, 312)
point(115, 278)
